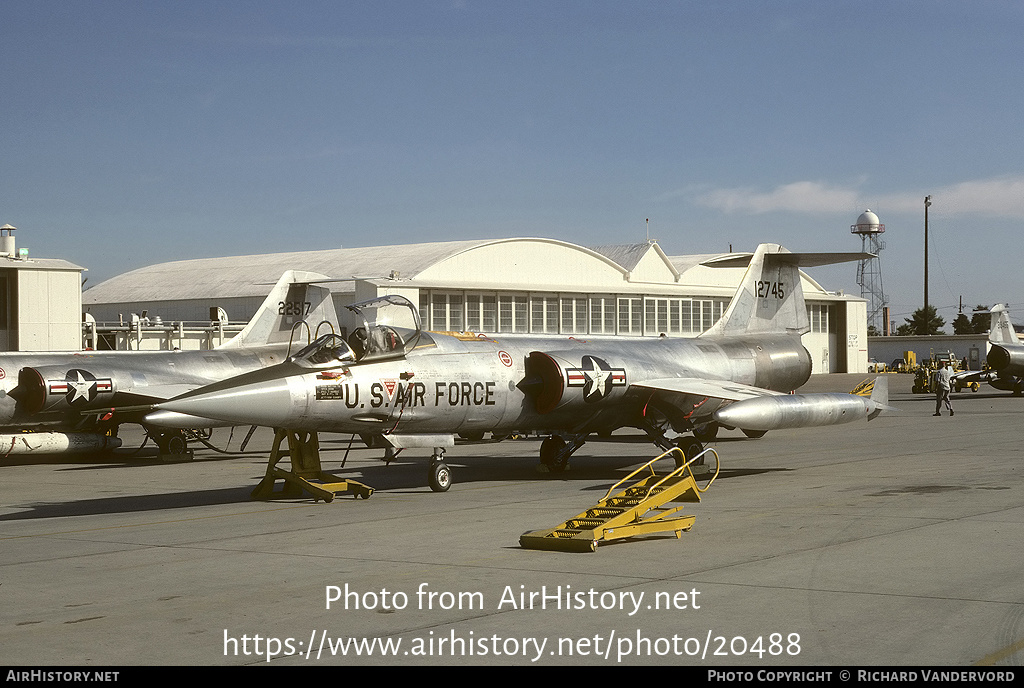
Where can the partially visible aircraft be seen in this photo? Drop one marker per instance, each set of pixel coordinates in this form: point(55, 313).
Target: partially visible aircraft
point(72, 395)
point(418, 389)
point(1005, 356)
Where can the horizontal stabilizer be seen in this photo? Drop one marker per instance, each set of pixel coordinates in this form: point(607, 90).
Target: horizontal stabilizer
point(800, 260)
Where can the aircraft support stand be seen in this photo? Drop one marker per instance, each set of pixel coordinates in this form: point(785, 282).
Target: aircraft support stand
point(640, 509)
point(304, 451)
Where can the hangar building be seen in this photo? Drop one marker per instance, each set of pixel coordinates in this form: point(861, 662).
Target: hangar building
point(519, 285)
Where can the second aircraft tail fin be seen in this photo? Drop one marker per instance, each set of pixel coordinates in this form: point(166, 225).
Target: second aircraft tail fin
point(295, 298)
point(1001, 329)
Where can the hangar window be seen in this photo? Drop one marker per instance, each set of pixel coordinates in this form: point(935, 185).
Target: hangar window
point(446, 312)
point(544, 314)
point(602, 315)
point(818, 317)
point(631, 316)
point(481, 313)
point(574, 315)
point(656, 320)
point(513, 313)
point(681, 316)
point(425, 309)
point(685, 316)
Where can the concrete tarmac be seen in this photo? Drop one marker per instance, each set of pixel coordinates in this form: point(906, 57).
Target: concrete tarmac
point(894, 542)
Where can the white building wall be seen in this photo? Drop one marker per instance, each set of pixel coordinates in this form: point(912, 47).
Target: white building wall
point(652, 268)
point(857, 336)
point(534, 264)
point(49, 310)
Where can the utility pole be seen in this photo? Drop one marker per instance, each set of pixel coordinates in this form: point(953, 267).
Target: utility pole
point(927, 202)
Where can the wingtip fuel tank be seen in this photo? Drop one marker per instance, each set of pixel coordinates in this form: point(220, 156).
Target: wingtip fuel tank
point(795, 411)
point(783, 411)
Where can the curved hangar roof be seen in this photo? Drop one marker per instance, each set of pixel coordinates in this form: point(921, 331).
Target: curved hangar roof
point(519, 263)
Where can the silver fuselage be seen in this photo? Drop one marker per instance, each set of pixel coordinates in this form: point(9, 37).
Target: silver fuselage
point(466, 385)
point(60, 389)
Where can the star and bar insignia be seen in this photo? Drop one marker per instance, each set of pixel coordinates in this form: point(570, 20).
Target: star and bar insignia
point(596, 377)
point(80, 386)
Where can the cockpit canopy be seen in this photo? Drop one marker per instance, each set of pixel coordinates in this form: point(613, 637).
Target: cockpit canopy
point(330, 349)
point(393, 331)
point(391, 328)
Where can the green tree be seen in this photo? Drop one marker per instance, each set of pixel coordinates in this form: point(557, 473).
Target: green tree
point(925, 320)
point(980, 320)
point(962, 325)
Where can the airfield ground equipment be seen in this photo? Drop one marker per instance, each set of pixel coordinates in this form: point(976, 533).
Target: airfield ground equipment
point(924, 374)
point(304, 451)
point(641, 508)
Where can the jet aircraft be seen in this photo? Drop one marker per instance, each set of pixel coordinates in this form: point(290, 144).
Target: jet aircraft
point(71, 395)
point(419, 389)
point(1005, 356)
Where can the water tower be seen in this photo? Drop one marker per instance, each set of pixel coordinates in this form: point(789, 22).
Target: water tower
point(869, 271)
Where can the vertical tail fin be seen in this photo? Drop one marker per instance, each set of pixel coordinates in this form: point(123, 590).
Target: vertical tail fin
point(293, 299)
point(1001, 329)
point(770, 298)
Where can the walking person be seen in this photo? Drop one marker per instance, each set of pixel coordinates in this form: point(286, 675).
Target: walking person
point(943, 379)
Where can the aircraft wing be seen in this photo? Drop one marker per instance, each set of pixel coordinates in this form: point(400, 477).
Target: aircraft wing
point(718, 389)
point(157, 393)
point(968, 376)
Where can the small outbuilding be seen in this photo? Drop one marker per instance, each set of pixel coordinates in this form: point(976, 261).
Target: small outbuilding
point(40, 300)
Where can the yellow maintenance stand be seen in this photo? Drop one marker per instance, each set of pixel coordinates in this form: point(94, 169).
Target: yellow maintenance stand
point(304, 451)
point(640, 509)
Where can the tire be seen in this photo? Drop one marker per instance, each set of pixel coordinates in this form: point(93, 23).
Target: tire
point(706, 432)
point(440, 478)
point(690, 447)
point(172, 443)
point(549, 450)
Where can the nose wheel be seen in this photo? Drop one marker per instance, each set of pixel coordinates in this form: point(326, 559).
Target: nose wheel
point(440, 477)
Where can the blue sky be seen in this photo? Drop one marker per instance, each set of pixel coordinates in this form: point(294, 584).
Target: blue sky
point(141, 132)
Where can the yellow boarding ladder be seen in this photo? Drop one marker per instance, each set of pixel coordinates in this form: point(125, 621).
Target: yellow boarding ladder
point(640, 509)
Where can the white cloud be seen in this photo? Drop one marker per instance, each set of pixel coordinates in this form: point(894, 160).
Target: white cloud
point(998, 197)
point(800, 197)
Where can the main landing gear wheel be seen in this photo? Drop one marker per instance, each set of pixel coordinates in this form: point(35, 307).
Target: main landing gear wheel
point(755, 434)
point(690, 446)
point(549, 454)
point(172, 443)
point(706, 432)
point(440, 478)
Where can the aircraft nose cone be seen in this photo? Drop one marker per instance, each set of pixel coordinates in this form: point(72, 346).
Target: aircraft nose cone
point(268, 403)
